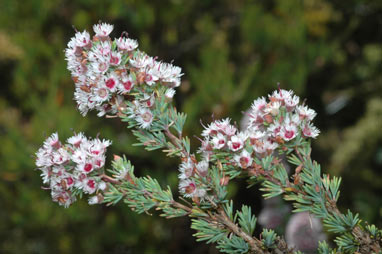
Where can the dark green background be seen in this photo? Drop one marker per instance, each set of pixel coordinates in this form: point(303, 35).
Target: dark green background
point(231, 52)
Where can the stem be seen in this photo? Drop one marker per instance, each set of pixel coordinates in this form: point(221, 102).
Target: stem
point(174, 140)
point(181, 206)
point(255, 244)
point(110, 179)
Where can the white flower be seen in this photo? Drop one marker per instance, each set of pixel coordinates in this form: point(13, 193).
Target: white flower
point(115, 58)
point(170, 74)
point(101, 51)
point(45, 174)
point(82, 39)
point(219, 141)
point(89, 186)
point(189, 189)
point(270, 146)
point(43, 157)
point(93, 200)
point(288, 129)
point(60, 156)
point(291, 102)
point(100, 66)
point(243, 159)
point(102, 94)
point(126, 84)
point(186, 169)
point(144, 117)
point(79, 156)
point(76, 140)
point(152, 75)
point(170, 92)
point(310, 131)
point(237, 142)
point(281, 94)
point(202, 167)
point(305, 112)
point(64, 198)
point(111, 82)
point(273, 108)
point(102, 186)
point(52, 142)
point(274, 129)
point(258, 105)
point(126, 44)
point(103, 30)
point(254, 134)
point(140, 60)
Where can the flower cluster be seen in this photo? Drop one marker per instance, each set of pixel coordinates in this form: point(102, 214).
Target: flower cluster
point(106, 72)
point(271, 124)
point(72, 168)
point(191, 174)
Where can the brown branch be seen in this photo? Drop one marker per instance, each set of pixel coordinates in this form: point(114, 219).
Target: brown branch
point(174, 140)
point(181, 206)
point(255, 244)
point(110, 179)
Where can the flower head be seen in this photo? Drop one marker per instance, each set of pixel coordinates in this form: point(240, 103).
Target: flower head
point(75, 164)
point(102, 29)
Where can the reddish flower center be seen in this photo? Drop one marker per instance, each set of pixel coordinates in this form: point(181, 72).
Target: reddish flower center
point(102, 67)
point(147, 117)
point(244, 162)
point(69, 181)
point(98, 163)
point(110, 83)
point(91, 184)
point(190, 188)
point(127, 85)
point(307, 132)
point(88, 167)
point(114, 60)
point(55, 144)
point(235, 145)
point(102, 92)
point(148, 78)
point(96, 152)
point(289, 134)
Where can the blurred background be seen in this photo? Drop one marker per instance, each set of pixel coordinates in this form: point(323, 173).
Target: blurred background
point(329, 52)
